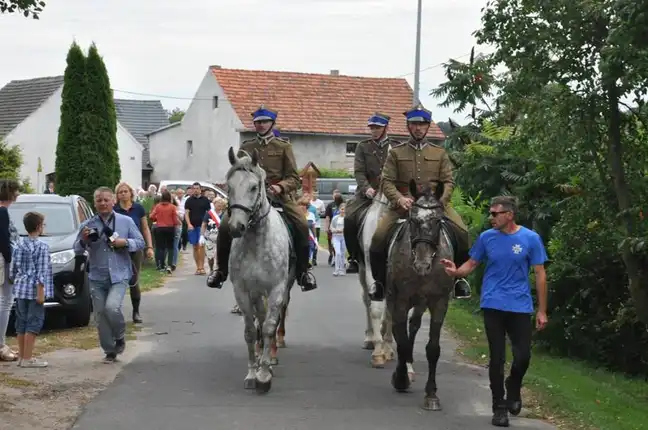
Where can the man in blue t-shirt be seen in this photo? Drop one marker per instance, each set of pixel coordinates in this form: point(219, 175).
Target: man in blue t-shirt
point(508, 250)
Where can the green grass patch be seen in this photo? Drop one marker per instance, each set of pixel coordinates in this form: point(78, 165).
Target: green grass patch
point(571, 394)
point(150, 278)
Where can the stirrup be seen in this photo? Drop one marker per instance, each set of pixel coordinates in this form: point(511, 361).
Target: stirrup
point(376, 291)
point(307, 281)
point(462, 289)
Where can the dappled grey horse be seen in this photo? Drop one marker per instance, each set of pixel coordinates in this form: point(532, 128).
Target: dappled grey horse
point(417, 280)
point(260, 267)
point(378, 334)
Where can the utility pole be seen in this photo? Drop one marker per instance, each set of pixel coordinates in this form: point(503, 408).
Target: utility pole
point(417, 62)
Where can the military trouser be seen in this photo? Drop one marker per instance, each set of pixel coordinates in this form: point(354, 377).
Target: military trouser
point(300, 227)
point(461, 241)
point(378, 251)
point(354, 209)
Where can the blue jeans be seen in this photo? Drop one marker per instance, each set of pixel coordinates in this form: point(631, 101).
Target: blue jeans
point(107, 299)
point(30, 316)
point(176, 244)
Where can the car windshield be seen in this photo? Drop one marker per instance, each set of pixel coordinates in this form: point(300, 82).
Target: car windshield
point(59, 219)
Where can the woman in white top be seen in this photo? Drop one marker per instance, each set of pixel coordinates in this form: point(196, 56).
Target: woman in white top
point(337, 230)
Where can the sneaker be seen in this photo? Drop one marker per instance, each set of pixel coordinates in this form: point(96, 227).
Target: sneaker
point(111, 357)
point(513, 397)
point(33, 363)
point(7, 354)
point(168, 270)
point(336, 273)
point(120, 345)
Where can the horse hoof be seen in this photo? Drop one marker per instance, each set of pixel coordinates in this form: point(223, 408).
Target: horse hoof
point(431, 403)
point(368, 345)
point(249, 384)
point(274, 361)
point(400, 381)
point(378, 361)
point(263, 387)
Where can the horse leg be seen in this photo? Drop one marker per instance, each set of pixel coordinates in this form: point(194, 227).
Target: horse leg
point(438, 311)
point(250, 335)
point(274, 360)
point(281, 332)
point(400, 379)
point(413, 328)
point(387, 335)
point(271, 318)
point(378, 356)
point(368, 340)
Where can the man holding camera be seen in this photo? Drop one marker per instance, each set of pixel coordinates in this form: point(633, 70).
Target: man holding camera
point(109, 238)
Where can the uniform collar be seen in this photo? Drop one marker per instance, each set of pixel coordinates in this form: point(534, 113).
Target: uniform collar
point(418, 144)
point(382, 142)
point(265, 140)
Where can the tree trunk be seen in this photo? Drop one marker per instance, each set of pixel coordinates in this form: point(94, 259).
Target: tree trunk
point(637, 279)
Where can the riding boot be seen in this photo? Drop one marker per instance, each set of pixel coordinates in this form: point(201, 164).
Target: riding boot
point(305, 278)
point(217, 277)
point(379, 273)
point(351, 241)
point(462, 289)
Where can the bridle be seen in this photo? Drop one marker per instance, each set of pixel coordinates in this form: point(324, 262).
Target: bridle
point(251, 211)
point(426, 239)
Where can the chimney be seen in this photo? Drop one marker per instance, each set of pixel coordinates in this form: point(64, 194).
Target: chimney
point(335, 72)
point(216, 66)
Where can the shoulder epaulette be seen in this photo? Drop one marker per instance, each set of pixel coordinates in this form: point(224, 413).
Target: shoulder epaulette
point(397, 143)
point(248, 141)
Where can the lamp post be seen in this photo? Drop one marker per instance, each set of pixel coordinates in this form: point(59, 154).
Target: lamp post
point(417, 62)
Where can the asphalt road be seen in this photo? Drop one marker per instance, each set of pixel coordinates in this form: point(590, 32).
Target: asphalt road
point(191, 378)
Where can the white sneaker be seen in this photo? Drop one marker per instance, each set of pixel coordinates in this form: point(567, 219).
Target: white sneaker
point(34, 363)
point(336, 273)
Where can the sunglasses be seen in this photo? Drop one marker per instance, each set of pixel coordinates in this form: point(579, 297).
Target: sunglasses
point(494, 213)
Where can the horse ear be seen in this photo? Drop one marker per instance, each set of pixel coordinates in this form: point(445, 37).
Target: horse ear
point(255, 157)
point(438, 192)
point(232, 156)
point(413, 189)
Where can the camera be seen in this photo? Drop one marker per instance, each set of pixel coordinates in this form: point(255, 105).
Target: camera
point(93, 235)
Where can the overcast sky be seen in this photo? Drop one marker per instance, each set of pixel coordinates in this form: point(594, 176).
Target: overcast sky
point(163, 47)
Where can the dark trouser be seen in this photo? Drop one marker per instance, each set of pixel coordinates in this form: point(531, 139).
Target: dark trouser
point(379, 243)
point(135, 294)
point(164, 246)
point(184, 236)
point(518, 327)
point(354, 209)
point(300, 232)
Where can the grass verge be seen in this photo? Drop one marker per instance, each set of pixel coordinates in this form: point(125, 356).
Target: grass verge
point(570, 394)
point(150, 278)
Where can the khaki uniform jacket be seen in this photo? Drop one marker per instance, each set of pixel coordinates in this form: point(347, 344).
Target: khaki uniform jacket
point(425, 162)
point(276, 157)
point(369, 160)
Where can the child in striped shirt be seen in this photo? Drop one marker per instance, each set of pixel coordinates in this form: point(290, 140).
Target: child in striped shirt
point(33, 283)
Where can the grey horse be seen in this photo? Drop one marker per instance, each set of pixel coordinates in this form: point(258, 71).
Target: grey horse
point(416, 280)
point(260, 263)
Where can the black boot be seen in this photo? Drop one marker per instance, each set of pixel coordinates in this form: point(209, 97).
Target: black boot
point(135, 301)
point(379, 273)
point(305, 278)
point(351, 241)
point(217, 277)
point(500, 414)
point(513, 397)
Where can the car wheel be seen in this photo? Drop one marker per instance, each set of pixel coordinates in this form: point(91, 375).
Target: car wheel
point(80, 315)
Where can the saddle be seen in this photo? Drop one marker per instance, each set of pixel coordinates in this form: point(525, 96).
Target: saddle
point(397, 231)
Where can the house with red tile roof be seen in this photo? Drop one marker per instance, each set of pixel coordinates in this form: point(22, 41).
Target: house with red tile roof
point(322, 115)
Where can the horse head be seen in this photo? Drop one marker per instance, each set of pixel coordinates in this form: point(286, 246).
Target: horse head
point(247, 194)
point(424, 221)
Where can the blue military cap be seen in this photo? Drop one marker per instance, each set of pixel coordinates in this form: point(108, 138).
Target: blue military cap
point(264, 114)
point(378, 119)
point(418, 114)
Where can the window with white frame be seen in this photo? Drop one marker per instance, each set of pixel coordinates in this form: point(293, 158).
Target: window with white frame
point(351, 148)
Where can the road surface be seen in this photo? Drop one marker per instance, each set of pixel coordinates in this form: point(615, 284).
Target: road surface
point(191, 377)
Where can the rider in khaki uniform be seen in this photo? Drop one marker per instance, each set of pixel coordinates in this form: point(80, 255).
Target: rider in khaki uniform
point(427, 164)
point(277, 159)
point(370, 158)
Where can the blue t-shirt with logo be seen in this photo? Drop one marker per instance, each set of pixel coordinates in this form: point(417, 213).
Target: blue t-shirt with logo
point(508, 259)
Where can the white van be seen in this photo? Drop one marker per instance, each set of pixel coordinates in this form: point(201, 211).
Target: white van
point(172, 185)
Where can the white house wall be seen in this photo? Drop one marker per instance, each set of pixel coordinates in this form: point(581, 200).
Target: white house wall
point(130, 157)
point(167, 150)
point(212, 132)
point(37, 136)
